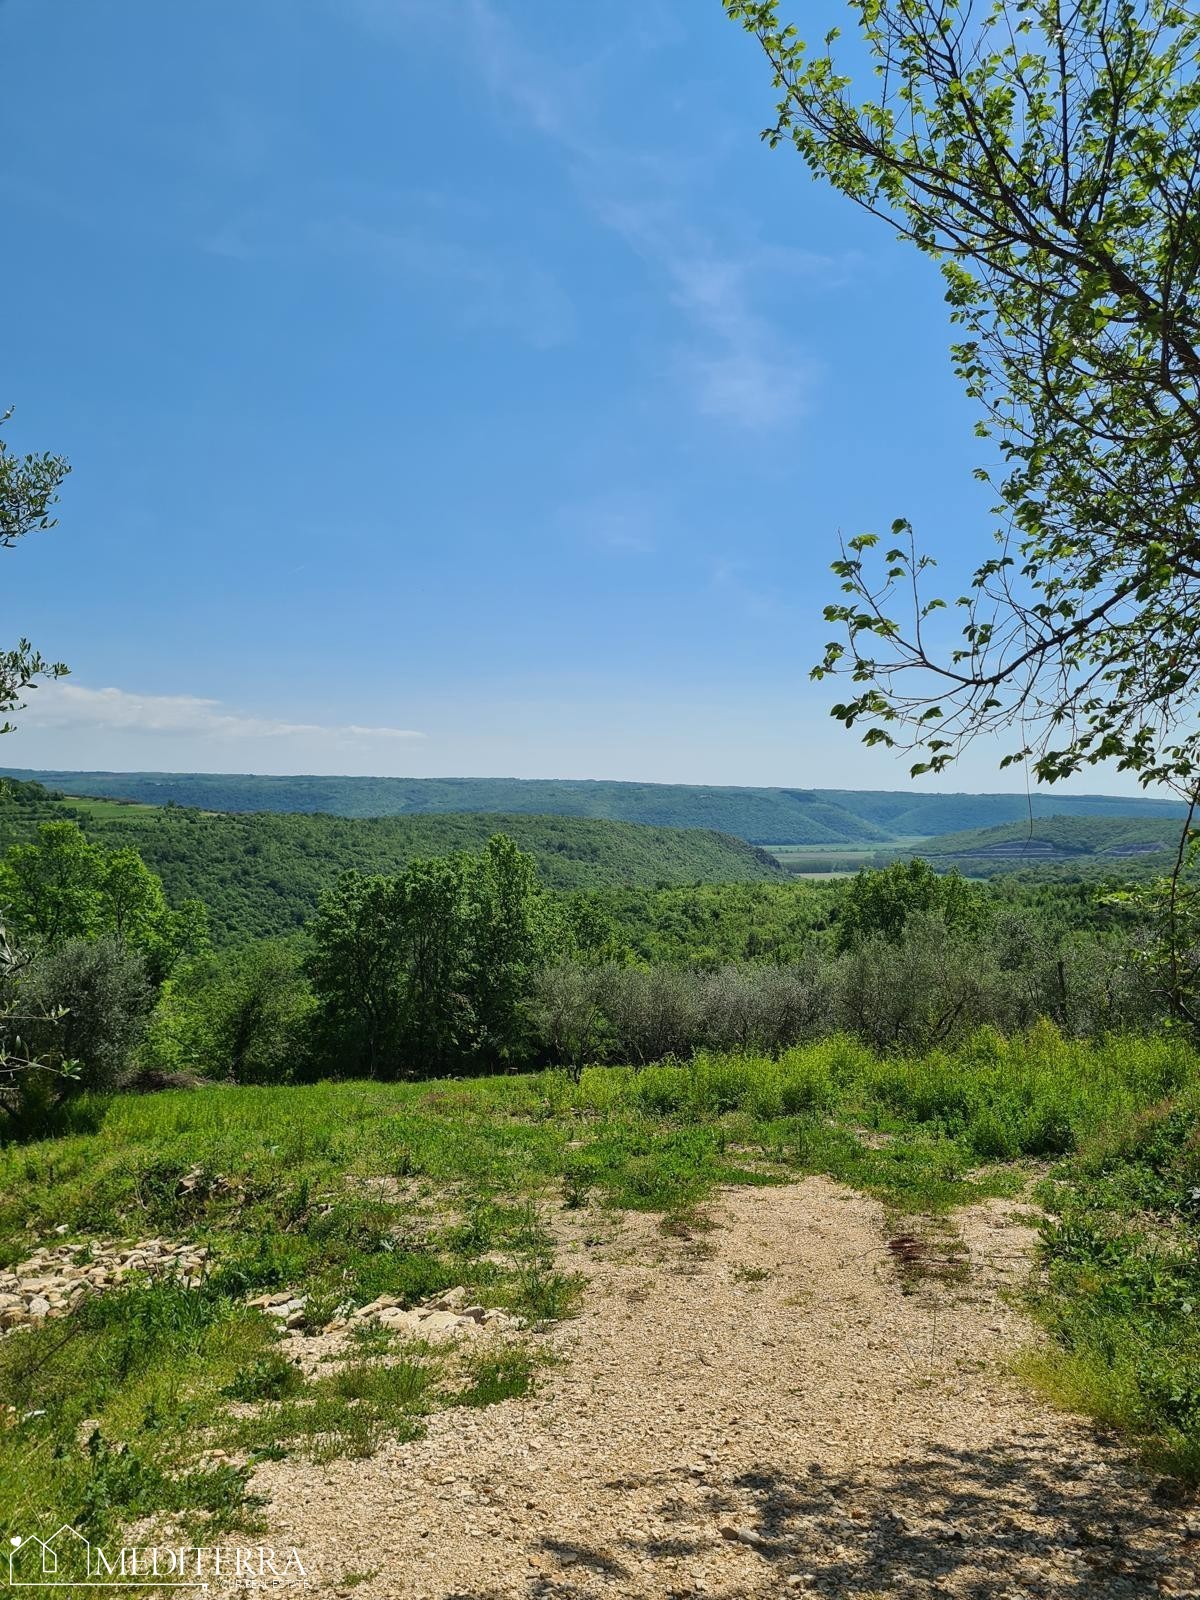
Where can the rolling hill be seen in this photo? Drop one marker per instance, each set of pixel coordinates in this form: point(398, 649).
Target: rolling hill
point(900, 813)
point(262, 873)
point(1061, 846)
point(759, 815)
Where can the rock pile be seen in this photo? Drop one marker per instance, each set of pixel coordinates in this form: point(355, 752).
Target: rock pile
point(288, 1307)
point(446, 1316)
point(56, 1278)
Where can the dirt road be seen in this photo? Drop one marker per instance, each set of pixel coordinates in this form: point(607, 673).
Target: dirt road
point(759, 1410)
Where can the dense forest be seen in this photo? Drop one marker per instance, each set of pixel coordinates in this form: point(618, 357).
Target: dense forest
point(262, 873)
point(270, 947)
point(762, 816)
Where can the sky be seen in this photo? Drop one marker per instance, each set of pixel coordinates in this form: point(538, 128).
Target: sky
point(451, 388)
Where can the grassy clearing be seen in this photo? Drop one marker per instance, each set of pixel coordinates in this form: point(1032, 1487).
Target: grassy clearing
point(354, 1190)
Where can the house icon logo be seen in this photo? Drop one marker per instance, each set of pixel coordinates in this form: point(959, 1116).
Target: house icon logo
point(65, 1558)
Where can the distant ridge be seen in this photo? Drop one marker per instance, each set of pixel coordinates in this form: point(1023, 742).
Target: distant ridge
point(758, 815)
point(262, 873)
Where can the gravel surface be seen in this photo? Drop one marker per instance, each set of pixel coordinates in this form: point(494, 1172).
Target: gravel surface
point(777, 1406)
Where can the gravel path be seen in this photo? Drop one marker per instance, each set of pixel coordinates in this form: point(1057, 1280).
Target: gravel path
point(759, 1410)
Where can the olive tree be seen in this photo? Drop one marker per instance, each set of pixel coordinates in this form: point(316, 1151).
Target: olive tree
point(29, 487)
point(28, 491)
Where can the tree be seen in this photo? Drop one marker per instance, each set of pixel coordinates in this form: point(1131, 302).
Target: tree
point(515, 934)
point(50, 888)
point(917, 993)
point(355, 973)
point(1047, 154)
point(390, 971)
point(28, 490)
point(431, 970)
point(242, 1015)
point(60, 886)
point(434, 935)
point(90, 998)
point(882, 903)
point(568, 1012)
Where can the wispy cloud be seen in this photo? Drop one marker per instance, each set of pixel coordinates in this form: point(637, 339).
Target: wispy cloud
point(74, 707)
point(734, 363)
point(739, 368)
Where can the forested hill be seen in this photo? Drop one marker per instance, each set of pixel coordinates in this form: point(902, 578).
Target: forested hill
point(903, 814)
point(261, 874)
point(1077, 847)
point(762, 816)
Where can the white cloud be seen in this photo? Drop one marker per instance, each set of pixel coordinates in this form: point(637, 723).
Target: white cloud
point(739, 369)
point(72, 707)
point(734, 364)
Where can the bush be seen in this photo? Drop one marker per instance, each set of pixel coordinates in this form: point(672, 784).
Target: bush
point(87, 1001)
point(566, 1011)
point(933, 988)
point(653, 1012)
point(940, 984)
point(243, 1017)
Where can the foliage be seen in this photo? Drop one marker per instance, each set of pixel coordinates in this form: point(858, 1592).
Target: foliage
point(262, 876)
point(880, 905)
point(514, 932)
point(567, 1011)
point(931, 987)
point(852, 817)
point(243, 1015)
point(465, 961)
point(28, 491)
point(61, 887)
point(92, 936)
point(706, 925)
point(1048, 162)
point(433, 968)
point(1123, 1281)
point(88, 1001)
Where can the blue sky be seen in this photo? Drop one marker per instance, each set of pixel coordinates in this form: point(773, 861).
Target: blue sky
point(451, 388)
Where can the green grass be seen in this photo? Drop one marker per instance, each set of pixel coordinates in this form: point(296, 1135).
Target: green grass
point(105, 810)
point(819, 859)
point(353, 1190)
point(1122, 1296)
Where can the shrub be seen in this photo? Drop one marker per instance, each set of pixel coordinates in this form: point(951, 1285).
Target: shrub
point(933, 988)
point(87, 1001)
point(243, 1017)
point(566, 1011)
